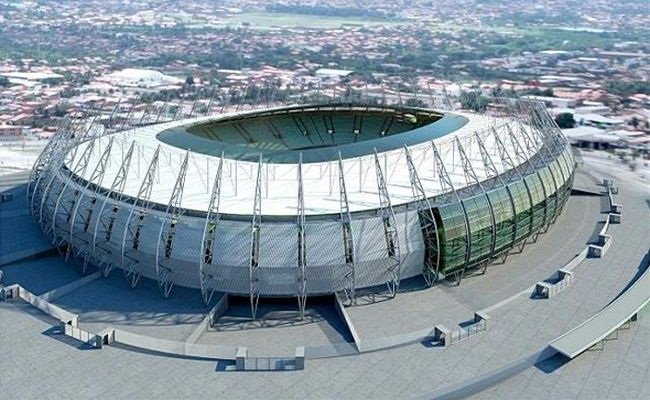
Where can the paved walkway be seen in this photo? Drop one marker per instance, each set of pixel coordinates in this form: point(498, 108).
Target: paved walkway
point(622, 369)
point(114, 303)
point(450, 305)
point(280, 330)
point(20, 236)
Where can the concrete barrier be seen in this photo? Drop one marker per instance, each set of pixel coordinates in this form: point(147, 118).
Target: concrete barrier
point(481, 317)
point(218, 310)
point(548, 290)
point(107, 336)
point(576, 260)
point(603, 238)
point(83, 336)
point(300, 357)
point(595, 251)
point(175, 348)
point(70, 287)
point(479, 325)
point(69, 322)
point(210, 319)
point(543, 289)
point(9, 292)
point(441, 335)
point(330, 350)
point(268, 364)
point(599, 251)
point(48, 308)
point(340, 308)
point(614, 208)
point(387, 342)
point(245, 363)
point(240, 358)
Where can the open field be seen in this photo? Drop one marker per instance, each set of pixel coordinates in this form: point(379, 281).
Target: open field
point(269, 20)
point(19, 156)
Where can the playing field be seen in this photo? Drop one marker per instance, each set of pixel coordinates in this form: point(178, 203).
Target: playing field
point(270, 20)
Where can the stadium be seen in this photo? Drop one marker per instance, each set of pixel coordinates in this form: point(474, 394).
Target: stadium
point(346, 198)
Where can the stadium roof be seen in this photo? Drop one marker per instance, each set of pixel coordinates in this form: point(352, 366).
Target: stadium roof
point(183, 137)
point(279, 180)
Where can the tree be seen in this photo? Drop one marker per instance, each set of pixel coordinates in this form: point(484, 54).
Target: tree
point(189, 80)
point(473, 101)
point(625, 88)
point(565, 120)
point(4, 81)
point(61, 110)
point(417, 103)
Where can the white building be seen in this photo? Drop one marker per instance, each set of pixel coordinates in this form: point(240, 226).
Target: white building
point(554, 101)
point(587, 136)
point(331, 72)
point(595, 109)
point(597, 120)
point(139, 78)
point(31, 79)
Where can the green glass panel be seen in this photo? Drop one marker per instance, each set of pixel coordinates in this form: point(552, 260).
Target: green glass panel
point(453, 237)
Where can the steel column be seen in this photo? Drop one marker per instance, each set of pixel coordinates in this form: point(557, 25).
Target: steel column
point(106, 218)
point(78, 171)
point(533, 171)
point(206, 258)
point(167, 233)
point(448, 187)
point(254, 260)
point(391, 235)
point(70, 152)
point(504, 154)
point(431, 239)
point(472, 179)
point(494, 175)
point(302, 245)
point(349, 276)
point(133, 229)
point(545, 158)
point(44, 159)
point(96, 179)
point(45, 164)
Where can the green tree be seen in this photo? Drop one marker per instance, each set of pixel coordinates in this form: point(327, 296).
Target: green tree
point(565, 120)
point(414, 102)
point(625, 88)
point(473, 101)
point(4, 81)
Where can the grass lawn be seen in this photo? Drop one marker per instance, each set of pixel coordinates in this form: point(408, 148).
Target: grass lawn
point(270, 20)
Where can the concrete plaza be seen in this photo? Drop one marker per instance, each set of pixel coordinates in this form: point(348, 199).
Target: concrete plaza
point(37, 361)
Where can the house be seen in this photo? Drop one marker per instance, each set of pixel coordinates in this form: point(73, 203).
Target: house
point(597, 120)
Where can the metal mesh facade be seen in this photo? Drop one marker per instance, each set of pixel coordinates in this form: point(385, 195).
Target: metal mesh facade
point(231, 254)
